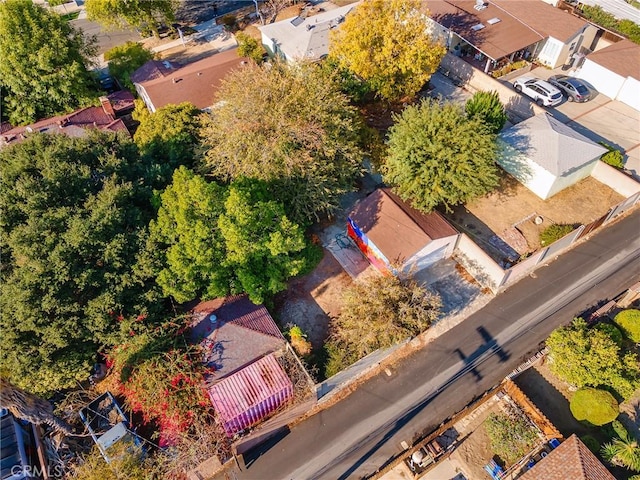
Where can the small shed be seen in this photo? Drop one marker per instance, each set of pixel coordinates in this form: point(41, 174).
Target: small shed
point(547, 156)
point(247, 396)
point(392, 234)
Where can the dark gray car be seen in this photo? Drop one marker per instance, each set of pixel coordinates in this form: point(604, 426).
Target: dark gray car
point(574, 88)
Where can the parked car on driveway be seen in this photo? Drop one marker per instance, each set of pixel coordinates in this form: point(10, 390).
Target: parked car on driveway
point(574, 89)
point(542, 92)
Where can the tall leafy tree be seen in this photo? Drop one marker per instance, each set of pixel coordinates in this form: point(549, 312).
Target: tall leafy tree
point(487, 107)
point(125, 59)
point(187, 223)
point(387, 43)
point(225, 240)
point(75, 212)
point(170, 134)
point(438, 155)
point(43, 63)
point(263, 247)
point(291, 126)
point(141, 14)
point(590, 357)
point(378, 313)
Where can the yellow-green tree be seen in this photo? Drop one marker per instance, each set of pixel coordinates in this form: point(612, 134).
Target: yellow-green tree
point(388, 44)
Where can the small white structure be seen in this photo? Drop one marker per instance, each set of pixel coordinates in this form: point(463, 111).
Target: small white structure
point(547, 156)
point(615, 72)
point(303, 38)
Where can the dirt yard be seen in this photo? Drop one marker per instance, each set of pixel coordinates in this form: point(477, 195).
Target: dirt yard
point(311, 301)
point(474, 451)
point(505, 219)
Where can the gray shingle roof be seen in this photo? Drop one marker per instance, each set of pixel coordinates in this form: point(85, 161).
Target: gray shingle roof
point(551, 144)
point(306, 38)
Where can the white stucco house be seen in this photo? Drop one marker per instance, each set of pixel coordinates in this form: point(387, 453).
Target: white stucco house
point(547, 156)
point(615, 72)
point(303, 38)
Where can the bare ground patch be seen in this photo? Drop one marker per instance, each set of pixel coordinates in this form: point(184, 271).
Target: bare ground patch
point(508, 215)
point(312, 300)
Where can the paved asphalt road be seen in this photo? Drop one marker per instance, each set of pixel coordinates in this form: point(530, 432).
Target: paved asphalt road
point(356, 436)
point(618, 8)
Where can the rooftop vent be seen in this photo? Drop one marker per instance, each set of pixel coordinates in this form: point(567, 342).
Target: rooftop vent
point(477, 27)
point(493, 21)
point(480, 5)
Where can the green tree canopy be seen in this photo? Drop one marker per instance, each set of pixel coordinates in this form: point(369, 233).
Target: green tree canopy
point(75, 212)
point(188, 223)
point(263, 247)
point(590, 357)
point(629, 322)
point(125, 59)
point(145, 15)
point(437, 155)
point(387, 43)
point(249, 47)
point(224, 241)
point(488, 108)
point(43, 66)
point(378, 313)
point(290, 126)
point(170, 134)
point(623, 450)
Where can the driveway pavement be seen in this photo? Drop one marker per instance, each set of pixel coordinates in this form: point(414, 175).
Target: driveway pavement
point(602, 120)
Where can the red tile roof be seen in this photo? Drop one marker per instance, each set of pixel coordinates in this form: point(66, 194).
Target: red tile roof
point(73, 125)
point(396, 228)
point(571, 460)
point(196, 82)
point(121, 101)
point(622, 58)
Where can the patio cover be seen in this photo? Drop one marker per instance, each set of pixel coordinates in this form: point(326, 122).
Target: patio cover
point(249, 395)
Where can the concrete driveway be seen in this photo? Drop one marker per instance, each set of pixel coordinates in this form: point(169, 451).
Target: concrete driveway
point(602, 120)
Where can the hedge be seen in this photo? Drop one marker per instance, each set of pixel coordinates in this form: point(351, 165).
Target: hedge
point(598, 407)
point(629, 323)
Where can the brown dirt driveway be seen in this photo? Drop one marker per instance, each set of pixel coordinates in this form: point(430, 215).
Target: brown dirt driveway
point(312, 300)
